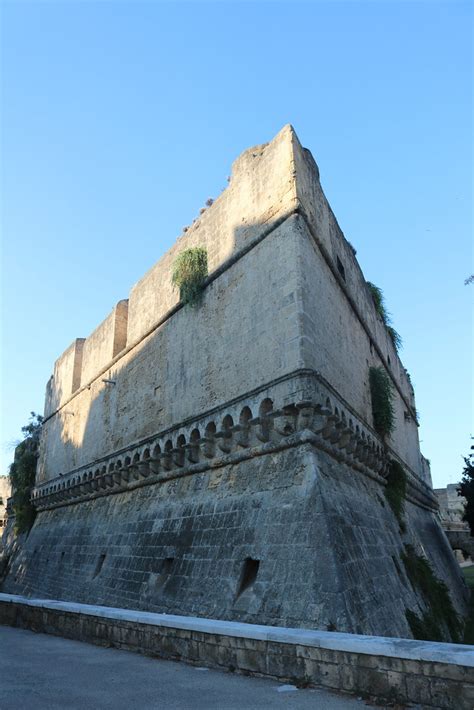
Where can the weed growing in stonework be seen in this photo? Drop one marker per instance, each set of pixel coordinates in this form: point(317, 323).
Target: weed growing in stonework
point(22, 474)
point(189, 274)
point(395, 490)
point(381, 392)
point(440, 614)
point(379, 303)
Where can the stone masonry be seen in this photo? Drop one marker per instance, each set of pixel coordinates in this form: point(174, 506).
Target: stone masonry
point(221, 460)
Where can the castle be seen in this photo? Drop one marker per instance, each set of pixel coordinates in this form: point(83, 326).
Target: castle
point(222, 460)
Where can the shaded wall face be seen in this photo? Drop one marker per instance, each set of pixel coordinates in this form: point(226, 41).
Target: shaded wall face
point(335, 343)
point(315, 207)
point(244, 334)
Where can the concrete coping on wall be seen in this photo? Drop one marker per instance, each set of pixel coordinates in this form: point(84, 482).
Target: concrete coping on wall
point(404, 649)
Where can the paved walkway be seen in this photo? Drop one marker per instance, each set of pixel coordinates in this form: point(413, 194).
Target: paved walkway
point(41, 672)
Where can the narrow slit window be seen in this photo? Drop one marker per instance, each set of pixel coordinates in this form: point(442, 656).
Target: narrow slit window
point(340, 268)
point(248, 576)
point(99, 565)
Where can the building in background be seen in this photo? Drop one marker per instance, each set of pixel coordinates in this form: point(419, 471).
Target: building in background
point(5, 493)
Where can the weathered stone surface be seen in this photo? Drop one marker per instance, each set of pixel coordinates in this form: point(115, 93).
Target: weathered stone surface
point(324, 542)
point(221, 460)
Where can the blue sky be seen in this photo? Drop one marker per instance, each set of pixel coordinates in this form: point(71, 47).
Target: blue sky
point(121, 118)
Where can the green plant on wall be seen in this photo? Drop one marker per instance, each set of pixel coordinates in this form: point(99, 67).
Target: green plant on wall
point(440, 615)
point(381, 392)
point(22, 474)
point(395, 490)
point(189, 274)
point(379, 303)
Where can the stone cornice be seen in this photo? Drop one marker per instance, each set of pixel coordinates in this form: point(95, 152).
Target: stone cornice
point(308, 412)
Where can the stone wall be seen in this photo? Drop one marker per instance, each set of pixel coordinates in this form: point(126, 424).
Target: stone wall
point(285, 292)
point(221, 460)
point(432, 675)
point(277, 524)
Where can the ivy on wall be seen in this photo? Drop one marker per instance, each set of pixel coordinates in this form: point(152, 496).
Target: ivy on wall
point(395, 490)
point(189, 274)
point(440, 615)
point(380, 307)
point(22, 474)
point(381, 392)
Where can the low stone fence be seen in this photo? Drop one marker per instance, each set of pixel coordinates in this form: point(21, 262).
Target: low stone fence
point(435, 675)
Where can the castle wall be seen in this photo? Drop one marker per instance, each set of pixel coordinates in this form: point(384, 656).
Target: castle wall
point(327, 544)
point(337, 252)
point(341, 334)
point(335, 344)
point(244, 333)
point(238, 432)
point(262, 189)
point(66, 378)
point(107, 340)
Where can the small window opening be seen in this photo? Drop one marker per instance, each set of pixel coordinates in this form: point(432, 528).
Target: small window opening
point(340, 268)
point(99, 565)
point(248, 576)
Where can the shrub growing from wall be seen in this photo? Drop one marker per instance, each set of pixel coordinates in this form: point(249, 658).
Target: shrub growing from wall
point(189, 274)
point(380, 307)
point(395, 490)
point(22, 474)
point(440, 614)
point(381, 392)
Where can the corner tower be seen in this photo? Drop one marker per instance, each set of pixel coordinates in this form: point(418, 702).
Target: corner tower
point(223, 460)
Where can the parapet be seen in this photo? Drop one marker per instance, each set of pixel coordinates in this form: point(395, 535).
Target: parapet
point(107, 340)
point(66, 377)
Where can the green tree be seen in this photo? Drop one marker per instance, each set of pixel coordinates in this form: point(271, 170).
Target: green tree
point(466, 489)
point(23, 472)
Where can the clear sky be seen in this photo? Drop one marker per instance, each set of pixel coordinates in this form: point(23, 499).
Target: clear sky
point(121, 118)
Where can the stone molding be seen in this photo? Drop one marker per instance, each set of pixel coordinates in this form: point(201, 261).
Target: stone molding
point(300, 408)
